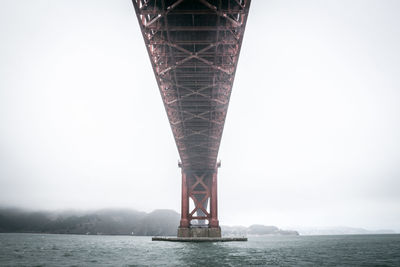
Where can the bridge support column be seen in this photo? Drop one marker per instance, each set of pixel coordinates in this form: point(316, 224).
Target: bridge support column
point(185, 203)
point(214, 202)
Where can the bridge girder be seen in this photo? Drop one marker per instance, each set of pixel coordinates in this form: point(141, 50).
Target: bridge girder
point(194, 48)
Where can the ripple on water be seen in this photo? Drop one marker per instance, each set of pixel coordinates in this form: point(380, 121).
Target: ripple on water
point(67, 254)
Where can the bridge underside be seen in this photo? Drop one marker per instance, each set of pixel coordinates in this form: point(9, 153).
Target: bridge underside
point(194, 47)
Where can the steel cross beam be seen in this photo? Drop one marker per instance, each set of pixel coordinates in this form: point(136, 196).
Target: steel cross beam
point(194, 47)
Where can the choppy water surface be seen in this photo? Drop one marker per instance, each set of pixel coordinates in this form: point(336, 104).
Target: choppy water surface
point(74, 250)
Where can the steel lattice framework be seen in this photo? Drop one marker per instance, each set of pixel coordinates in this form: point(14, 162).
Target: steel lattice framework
point(194, 47)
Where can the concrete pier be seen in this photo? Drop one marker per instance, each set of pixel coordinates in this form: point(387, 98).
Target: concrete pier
point(199, 232)
point(198, 239)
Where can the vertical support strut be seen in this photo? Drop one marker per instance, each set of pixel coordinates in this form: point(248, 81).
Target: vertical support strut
point(185, 202)
point(214, 201)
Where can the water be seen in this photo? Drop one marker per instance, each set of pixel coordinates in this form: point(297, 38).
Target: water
point(75, 250)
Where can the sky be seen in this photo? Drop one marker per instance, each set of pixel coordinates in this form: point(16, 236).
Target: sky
point(312, 136)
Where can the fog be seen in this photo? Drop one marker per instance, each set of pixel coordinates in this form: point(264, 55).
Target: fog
point(312, 136)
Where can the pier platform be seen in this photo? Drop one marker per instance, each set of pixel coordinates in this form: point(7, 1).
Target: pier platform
point(198, 239)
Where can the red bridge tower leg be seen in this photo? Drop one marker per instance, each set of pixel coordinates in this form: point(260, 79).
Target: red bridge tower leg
point(214, 207)
point(185, 203)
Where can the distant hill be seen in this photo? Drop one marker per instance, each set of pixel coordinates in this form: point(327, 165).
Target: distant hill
point(112, 222)
point(108, 221)
point(132, 222)
point(255, 230)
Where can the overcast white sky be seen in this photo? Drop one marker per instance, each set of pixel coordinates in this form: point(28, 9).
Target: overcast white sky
point(312, 136)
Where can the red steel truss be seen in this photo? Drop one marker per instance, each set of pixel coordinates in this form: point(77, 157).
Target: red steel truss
point(194, 47)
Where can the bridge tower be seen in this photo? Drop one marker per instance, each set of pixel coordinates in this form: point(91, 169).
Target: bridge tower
point(194, 47)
